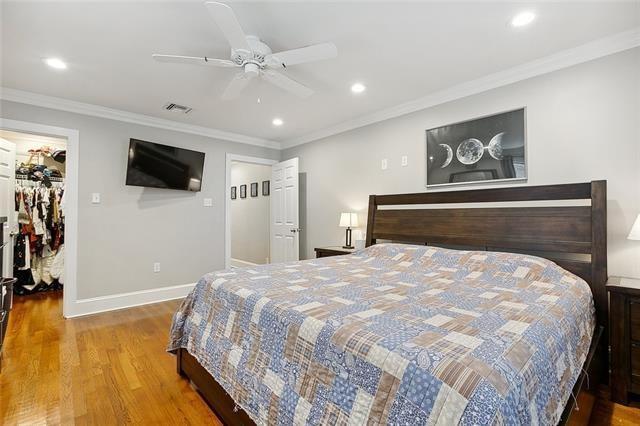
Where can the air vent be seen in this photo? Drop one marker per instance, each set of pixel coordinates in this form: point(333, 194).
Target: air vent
point(177, 108)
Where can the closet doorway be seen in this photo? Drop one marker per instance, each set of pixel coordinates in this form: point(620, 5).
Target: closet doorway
point(34, 173)
point(39, 196)
point(247, 208)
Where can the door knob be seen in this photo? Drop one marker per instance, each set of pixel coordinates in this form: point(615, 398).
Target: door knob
point(294, 230)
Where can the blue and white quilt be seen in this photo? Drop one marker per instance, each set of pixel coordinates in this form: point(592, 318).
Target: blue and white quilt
point(393, 334)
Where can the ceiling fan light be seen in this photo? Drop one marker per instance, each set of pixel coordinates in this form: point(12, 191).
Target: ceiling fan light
point(254, 57)
point(358, 88)
point(277, 122)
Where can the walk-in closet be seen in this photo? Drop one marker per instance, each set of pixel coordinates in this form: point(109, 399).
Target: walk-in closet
point(37, 214)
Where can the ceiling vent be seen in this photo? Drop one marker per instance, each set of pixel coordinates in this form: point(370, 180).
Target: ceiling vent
point(177, 108)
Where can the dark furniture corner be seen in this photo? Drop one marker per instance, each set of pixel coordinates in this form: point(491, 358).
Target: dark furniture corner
point(331, 251)
point(624, 320)
point(6, 300)
point(6, 292)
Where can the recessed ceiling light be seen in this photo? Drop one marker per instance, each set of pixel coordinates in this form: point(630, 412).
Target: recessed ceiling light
point(522, 19)
point(358, 88)
point(277, 122)
point(56, 63)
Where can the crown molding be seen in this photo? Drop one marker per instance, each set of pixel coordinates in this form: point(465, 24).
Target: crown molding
point(61, 104)
point(563, 59)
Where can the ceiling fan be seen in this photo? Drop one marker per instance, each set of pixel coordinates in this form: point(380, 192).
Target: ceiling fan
point(254, 57)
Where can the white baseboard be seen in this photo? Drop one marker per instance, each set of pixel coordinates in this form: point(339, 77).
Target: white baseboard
point(112, 302)
point(240, 263)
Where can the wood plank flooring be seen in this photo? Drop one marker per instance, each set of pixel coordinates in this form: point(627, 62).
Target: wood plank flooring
point(104, 369)
point(607, 413)
point(112, 368)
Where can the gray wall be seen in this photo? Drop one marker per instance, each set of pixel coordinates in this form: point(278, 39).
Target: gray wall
point(250, 216)
point(121, 238)
point(583, 123)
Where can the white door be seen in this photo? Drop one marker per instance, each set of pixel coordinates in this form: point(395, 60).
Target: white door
point(285, 230)
point(7, 203)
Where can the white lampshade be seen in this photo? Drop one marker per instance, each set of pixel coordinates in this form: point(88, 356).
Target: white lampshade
point(635, 230)
point(348, 220)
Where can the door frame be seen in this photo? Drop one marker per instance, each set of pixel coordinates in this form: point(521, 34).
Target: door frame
point(8, 227)
point(227, 205)
point(70, 290)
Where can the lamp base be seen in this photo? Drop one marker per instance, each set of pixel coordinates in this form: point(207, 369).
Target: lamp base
point(347, 240)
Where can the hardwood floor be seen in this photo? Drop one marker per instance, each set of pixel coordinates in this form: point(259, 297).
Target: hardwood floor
point(109, 368)
point(112, 368)
point(607, 413)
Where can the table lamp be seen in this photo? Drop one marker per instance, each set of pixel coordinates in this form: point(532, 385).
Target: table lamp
point(635, 230)
point(347, 220)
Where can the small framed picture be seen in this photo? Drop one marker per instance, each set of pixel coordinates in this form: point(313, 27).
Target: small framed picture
point(254, 189)
point(266, 187)
point(243, 191)
point(233, 193)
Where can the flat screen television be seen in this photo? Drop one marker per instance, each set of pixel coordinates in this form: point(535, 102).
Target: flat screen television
point(162, 166)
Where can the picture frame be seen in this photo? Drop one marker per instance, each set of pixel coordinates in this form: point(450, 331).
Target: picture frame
point(254, 189)
point(243, 191)
point(488, 149)
point(266, 188)
point(233, 193)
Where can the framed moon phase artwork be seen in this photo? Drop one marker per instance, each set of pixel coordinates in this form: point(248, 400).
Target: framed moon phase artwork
point(487, 149)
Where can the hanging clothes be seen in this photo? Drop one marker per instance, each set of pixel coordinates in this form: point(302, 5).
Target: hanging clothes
point(38, 245)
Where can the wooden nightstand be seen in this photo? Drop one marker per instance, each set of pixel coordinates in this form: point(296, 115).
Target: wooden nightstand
point(624, 326)
point(332, 251)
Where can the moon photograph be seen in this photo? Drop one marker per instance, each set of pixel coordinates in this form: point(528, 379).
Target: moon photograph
point(490, 148)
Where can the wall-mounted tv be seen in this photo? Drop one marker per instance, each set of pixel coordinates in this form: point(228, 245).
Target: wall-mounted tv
point(162, 166)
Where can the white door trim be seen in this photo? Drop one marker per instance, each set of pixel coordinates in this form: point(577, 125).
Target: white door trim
point(227, 197)
point(70, 292)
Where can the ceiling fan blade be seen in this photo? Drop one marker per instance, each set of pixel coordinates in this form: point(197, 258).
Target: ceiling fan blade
point(195, 60)
point(237, 85)
point(226, 20)
point(288, 84)
point(317, 52)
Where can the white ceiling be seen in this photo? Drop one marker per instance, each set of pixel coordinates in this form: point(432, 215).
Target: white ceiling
point(401, 51)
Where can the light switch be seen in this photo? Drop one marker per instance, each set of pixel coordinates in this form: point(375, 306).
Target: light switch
point(384, 164)
point(208, 202)
point(95, 198)
point(404, 161)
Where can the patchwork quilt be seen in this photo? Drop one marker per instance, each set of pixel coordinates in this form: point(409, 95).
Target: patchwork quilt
point(393, 334)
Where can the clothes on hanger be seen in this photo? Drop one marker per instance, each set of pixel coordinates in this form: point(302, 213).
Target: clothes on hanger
point(40, 236)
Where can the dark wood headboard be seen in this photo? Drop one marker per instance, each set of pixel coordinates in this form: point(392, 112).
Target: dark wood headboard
point(575, 237)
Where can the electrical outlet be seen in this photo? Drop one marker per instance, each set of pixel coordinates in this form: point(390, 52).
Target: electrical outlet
point(95, 198)
point(156, 267)
point(404, 161)
point(208, 202)
point(384, 164)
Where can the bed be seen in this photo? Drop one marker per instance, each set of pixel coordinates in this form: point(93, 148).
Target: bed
point(505, 329)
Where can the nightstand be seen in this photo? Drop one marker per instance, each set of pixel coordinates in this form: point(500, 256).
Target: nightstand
point(332, 251)
point(624, 329)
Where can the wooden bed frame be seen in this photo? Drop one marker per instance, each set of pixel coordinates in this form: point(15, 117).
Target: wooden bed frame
point(575, 237)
